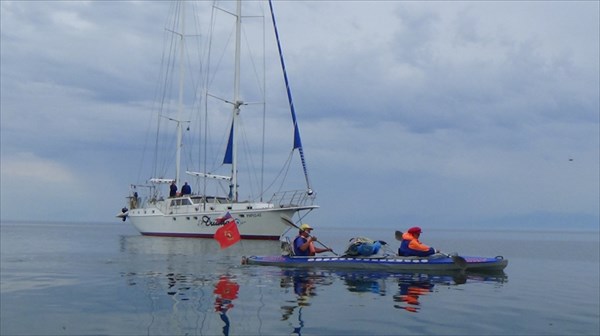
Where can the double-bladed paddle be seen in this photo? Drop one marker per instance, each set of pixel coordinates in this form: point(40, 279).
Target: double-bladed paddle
point(458, 260)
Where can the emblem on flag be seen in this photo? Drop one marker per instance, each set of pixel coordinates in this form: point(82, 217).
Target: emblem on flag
point(227, 234)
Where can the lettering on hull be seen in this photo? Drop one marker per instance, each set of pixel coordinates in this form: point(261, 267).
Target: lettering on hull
point(207, 221)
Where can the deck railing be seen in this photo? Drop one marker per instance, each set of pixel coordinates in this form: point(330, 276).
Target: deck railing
point(293, 198)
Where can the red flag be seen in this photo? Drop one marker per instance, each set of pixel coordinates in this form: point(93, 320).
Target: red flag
point(227, 234)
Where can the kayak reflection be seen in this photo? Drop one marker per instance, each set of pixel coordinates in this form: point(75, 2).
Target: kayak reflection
point(304, 284)
point(405, 289)
point(412, 287)
point(365, 282)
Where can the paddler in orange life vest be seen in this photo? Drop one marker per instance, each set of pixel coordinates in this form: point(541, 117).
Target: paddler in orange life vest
point(411, 246)
point(304, 242)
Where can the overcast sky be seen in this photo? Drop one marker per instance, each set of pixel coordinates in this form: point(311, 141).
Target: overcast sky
point(442, 114)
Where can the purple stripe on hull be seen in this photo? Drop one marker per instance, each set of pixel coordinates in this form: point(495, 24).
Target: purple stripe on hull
point(199, 235)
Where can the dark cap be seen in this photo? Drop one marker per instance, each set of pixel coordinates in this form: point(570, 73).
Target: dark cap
point(414, 229)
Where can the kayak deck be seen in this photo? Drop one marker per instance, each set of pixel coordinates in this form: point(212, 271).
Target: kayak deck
point(388, 263)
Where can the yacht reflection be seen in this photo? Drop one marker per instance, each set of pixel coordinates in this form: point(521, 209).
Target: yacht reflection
point(226, 292)
point(174, 295)
point(185, 277)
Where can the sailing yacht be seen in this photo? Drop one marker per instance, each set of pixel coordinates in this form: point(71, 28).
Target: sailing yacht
point(156, 210)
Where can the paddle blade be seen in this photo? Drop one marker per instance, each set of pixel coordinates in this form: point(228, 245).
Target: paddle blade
point(399, 235)
point(459, 261)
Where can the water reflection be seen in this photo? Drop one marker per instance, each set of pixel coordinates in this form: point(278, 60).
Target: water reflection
point(202, 248)
point(226, 291)
point(189, 285)
point(411, 287)
point(405, 289)
point(304, 284)
point(365, 282)
point(409, 292)
point(191, 304)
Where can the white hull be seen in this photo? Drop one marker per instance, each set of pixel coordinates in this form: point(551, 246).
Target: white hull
point(167, 218)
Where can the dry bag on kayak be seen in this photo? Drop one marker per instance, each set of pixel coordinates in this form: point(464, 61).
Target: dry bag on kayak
point(361, 246)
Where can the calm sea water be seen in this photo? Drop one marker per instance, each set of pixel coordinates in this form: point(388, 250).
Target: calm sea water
point(105, 279)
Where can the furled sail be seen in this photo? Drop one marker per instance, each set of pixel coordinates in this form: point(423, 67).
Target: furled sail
point(228, 158)
point(297, 140)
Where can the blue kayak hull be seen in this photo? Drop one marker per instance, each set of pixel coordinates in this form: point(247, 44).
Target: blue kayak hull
point(389, 263)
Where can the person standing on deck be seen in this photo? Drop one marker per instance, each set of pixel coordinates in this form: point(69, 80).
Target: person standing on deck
point(186, 189)
point(173, 190)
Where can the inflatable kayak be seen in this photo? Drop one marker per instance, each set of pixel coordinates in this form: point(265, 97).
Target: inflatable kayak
point(385, 263)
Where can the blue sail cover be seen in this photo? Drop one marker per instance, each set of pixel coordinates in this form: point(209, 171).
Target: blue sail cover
point(228, 159)
point(297, 141)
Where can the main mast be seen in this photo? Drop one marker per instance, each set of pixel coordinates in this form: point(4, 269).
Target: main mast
point(180, 105)
point(236, 101)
